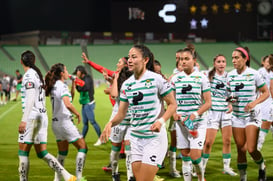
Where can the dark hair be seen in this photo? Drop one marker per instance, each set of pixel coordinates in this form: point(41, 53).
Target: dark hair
point(123, 75)
point(28, 59)
point(52, 76)
point(213, 70)
point(17, 70)
point(146, 53)
point(270, 56)
point(156, 62)
point(244, 55)
point(190, 48)
point(179, 51)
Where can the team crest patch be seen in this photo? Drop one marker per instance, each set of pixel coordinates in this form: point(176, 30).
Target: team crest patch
point(197, 79)
point(148, 83)
point(29, 85)
point(248, 77)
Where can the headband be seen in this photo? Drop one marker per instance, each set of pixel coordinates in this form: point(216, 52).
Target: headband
point(243, 51)
point(124, 60)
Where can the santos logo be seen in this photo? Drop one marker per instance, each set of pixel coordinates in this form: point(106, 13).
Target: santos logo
point(166, 9)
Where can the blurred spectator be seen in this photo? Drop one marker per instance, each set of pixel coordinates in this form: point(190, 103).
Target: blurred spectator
point(6, 87)
point(19, 78)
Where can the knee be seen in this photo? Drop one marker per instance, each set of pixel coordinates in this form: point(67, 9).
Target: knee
point(241, 149)
point(208, 144)
point(252, 150)
point(227, 141)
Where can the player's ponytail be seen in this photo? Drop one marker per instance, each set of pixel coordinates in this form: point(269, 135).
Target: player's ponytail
point(52, 76)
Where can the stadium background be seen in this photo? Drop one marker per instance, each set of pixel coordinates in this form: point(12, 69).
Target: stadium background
point(57, 31)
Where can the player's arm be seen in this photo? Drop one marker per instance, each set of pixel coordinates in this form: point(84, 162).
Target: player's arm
point(122, 111)
point(171, 108)
point(204, 107)
point(30, 99)
point(271, 87)
point(114, 88)
point(71, 108)
point(97, 67)
point(263, 96)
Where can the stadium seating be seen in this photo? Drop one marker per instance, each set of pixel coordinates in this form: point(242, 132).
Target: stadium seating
point(108, 55)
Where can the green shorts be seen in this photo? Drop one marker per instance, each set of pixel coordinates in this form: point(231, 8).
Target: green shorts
point(18, 87)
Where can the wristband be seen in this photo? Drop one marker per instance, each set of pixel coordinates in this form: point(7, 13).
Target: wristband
point(196, 114)
point(161, 120)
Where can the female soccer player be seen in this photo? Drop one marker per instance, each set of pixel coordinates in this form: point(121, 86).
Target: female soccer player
point(244, 82)
point(62, 124)
point(143, 93)
point(267, 74)
point(219, 116)
point(33, 126)
point(192, 92)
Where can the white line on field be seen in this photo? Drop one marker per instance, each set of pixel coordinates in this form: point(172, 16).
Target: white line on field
point(10, 109)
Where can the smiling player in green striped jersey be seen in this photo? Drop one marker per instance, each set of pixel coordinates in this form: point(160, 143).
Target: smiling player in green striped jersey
point(143, 92)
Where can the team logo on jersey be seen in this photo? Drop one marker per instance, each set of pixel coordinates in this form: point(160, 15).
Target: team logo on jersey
point(248, 77)
point(239, 86)
point(129, 87)
point(220, 85)
point(148, 83)
point(197, 79)
point(29, 85)
point(138, 96)
point(186, 88)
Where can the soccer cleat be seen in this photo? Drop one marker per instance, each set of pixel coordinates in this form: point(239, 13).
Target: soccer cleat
point(175, 174)
point(73, 178)
point(229, 171)
point(98, 143)
point(116, 177)
point(158, 178)
point(107, 168)
point(262, 175)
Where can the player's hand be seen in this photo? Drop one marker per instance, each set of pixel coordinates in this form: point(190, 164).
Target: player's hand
point(229, 109)
point(249, 107)
point(156, 127)
point(85, 59)
point(176, 117)
point(104, 137)
point(22, 127)
point(79, 118)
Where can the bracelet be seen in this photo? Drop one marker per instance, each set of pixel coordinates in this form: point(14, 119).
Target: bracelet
point(196, 114)
point(161, 120)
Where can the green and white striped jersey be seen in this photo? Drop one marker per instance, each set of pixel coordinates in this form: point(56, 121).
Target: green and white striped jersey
point(31, 81)
point(188, 90)
point(59, 110)
point(145, 103)
point(219, 92)
point(244, 86)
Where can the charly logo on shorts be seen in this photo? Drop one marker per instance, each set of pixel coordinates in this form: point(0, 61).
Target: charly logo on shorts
point(153, 157)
